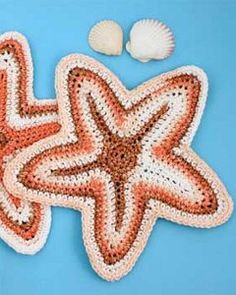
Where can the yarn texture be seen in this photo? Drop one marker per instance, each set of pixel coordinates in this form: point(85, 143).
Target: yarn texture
point(122, 157)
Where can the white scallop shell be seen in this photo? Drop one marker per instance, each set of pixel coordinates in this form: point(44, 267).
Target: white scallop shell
point(106, 37)
point(150, 39)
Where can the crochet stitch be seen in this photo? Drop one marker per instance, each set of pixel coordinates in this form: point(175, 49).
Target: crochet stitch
point(124, 159)
point(23, 120)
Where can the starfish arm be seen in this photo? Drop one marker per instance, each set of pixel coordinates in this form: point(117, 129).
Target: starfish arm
point(23, 120)
point(114, 255)
point(20, 105)
point(114, 252)
point(25, 227)
point(185, 189)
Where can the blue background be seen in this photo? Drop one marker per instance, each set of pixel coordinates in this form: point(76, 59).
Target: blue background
point(177, 259)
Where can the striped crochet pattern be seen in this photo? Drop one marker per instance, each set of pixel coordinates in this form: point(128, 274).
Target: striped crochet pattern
point(23, 121)
point(123, 158)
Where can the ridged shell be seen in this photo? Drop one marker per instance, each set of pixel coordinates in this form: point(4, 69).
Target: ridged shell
point(106, 37)
point(150, 39)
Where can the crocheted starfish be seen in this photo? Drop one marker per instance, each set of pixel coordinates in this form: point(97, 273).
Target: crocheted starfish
point(122, 158)
point(23, 120)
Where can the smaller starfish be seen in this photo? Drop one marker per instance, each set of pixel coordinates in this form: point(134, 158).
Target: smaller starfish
point(122, 158)
point(23, 120)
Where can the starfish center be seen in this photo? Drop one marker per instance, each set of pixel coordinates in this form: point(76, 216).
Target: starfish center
point(121, 156)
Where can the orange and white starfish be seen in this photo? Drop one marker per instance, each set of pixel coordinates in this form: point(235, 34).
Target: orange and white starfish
point(124, 159)
point(23, 121)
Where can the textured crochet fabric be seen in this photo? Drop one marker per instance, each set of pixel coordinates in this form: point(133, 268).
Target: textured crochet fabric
point(122, 158)
point(23, 120)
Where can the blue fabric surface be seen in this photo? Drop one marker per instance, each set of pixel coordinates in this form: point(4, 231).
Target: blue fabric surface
point(178, 260)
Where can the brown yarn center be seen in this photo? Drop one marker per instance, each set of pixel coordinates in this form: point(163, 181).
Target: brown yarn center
point(121, 156)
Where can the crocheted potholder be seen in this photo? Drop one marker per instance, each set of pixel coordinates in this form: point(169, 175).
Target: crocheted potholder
point(23, 120)
point(123, 158)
